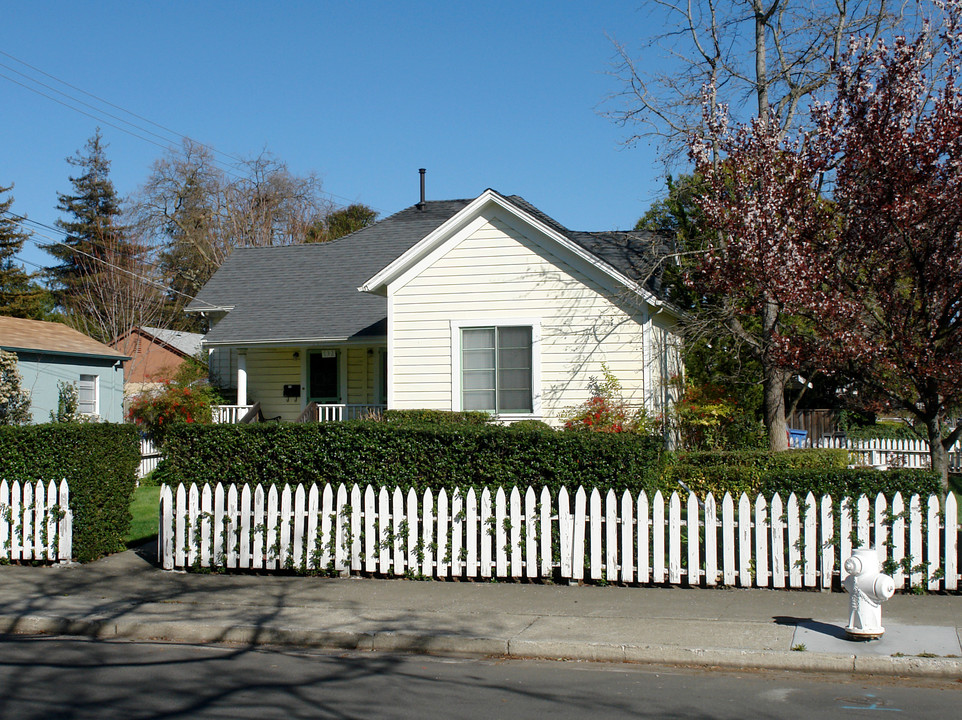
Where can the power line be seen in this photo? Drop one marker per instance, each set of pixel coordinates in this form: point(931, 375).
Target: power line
point(230, 168)
point(150, 281)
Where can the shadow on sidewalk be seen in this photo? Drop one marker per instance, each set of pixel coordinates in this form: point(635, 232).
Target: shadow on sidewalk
point(809, 624)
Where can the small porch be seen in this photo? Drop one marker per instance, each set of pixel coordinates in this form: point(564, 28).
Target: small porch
point(317, 383)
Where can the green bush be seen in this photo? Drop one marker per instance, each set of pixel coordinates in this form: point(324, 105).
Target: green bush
point(436, 417)
point(531, 426)
point(99, 462)
point(799, 471)
point(408, 456)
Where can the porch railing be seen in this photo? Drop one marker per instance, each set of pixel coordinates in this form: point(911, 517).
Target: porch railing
point(337, 412)
point(229, 413)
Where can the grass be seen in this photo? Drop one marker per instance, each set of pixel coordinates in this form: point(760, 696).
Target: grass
point(143, 508)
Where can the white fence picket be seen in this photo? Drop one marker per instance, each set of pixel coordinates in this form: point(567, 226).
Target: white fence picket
point(457, 533)
point(728, 539)
point(674, 539)
point(658, 537)
point(384, 530)
point(370, 530)
point(500, 534)
point(530, 534)
point(397, 523)
point(514, 516)
point(595, 522)
point(898, 540)
point(951, 542)
point(627, 538)
point(778, 543)
point(486, 525)
point(915, 541)
point(545, 544)
point(471, 533)
point(259, 529)
point(827, 542)
point(794, 542)
point(444, 536)
point(6, 550)
point(932, 543)
point(427, 534)
point(744, 541)
point(762, 577)
point(711, 541)
point(300, 502)
point(244, 551)
point(611, 536)
point(285, 555)
point(693, 526)
point(356, 529)
point(578, 536)
point(810, 540)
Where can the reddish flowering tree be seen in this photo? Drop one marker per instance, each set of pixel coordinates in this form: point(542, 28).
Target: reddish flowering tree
point(893, 136)
point(759, 264)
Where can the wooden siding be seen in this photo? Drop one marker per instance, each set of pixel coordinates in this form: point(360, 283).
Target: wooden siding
point(361, 374)
point(496, 274)
point(268, 371)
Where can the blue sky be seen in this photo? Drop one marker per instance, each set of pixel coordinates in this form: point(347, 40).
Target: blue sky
point(495, 94)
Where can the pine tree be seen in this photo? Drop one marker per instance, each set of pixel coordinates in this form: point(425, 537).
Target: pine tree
point(98, 259)
point(20, 296)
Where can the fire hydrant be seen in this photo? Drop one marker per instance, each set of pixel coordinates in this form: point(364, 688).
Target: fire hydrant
point(868, 588)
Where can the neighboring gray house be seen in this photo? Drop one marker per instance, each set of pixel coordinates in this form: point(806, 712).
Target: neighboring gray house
point(476, 304)
point(50, 352)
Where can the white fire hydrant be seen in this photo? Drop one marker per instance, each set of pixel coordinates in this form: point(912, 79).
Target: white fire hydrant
point(868, 588)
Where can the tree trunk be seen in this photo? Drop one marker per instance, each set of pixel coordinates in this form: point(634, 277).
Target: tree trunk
point(773, 382)
point(775, 423)
point(939, 449)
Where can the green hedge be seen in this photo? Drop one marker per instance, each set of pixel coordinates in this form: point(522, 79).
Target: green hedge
point(437, 417)
point(99, 462)
point(409, 456)
point(837, 482)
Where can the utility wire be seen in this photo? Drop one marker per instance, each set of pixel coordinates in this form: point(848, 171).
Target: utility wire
point(142, 278)
point(230, 168)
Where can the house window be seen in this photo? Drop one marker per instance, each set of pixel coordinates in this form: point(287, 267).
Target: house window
point(496, 369)
point(87, 391)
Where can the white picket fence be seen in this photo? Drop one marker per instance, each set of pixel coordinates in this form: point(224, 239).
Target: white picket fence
point(892, 453)
point(800, 543)
point(150, 457)
point(35, 521)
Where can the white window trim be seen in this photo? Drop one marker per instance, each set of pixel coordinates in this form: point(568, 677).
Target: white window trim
point(534, 324)
point(96, 378)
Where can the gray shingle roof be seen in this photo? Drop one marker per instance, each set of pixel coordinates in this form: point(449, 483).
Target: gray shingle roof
point(309, 292)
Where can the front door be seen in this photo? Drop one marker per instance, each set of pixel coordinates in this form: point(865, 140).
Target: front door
point(323, 377)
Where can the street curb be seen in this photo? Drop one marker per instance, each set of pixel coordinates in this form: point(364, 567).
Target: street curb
point(456, 645)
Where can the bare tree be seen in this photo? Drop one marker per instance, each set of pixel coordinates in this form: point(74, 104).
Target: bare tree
point(755, 56)
point(196, 212)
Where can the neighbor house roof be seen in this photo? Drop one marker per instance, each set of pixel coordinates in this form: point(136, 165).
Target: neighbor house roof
point(301, 293)
point(21, 335)
point(180, 341)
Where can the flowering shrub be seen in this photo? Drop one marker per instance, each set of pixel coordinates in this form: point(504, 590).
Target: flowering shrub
point(185, 399)
point(14, 400)
point(709, 418)
point(605, 411)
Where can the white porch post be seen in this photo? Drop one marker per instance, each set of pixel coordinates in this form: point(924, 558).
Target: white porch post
point(242, 378)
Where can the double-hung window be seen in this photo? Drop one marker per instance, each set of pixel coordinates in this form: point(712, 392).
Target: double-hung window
point(87, 395)
point(496, 369)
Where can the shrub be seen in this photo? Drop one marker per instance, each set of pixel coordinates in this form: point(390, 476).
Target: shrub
point(408, 456)
point(185, 399)
point(709, 418)
point(436, 417)
point(531, 426)
point(99, 462)
point(605, 410)
point(798, 471)
point(14, 400)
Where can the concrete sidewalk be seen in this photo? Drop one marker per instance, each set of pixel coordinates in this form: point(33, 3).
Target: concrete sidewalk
point(127, 596)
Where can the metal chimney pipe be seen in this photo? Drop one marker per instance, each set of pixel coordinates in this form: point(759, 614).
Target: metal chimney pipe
point(422, 171)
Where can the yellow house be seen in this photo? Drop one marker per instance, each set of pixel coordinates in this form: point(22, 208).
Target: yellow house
point(481, 304)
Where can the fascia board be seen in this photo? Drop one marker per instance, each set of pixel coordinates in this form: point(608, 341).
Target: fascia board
point(379, 282)
point(298, 342)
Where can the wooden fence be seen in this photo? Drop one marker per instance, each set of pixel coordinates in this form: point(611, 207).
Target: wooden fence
point(35, 521)
point(798, 543)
